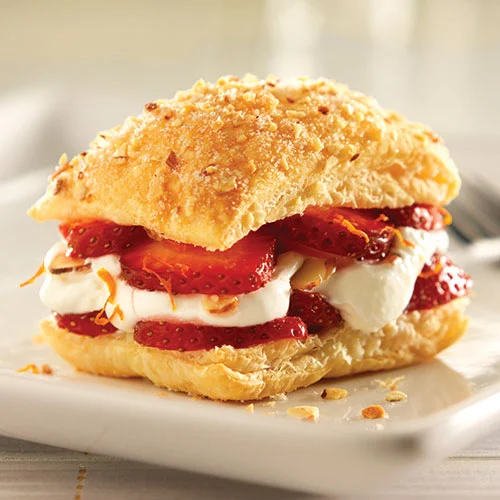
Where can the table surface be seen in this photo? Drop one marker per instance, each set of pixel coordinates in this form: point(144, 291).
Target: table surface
point(29, 470)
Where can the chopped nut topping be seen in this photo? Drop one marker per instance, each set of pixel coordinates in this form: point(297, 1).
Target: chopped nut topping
point(80, 191)
point(324, 110)
point(374, 411)
point(273, 127)
point(334, 393)
point(63, 160)
point(292, 113)
point(226, 185)
point(432, 136)
point(58, 185)
point(172, 161)
point(272, 80)
point(310, 413)
point(211, 169)
point(121, 153)
point(150, 106)
point(249, 408)
point(251, 166)
point(297, 129)
point(395, 396)
point(241, 138)
point(284, 164)
point(62, 167)
point(249, 96)
point(317, 145)
point(220, 304)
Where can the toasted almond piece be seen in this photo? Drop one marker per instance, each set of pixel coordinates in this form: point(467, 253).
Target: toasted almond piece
point(312, 273)
point(334, 393)
point(47, 370)
point(249, 408)
point(61, 264)
point(310, 413)
point(395, 396)
point(220, 304)
point(374, 411)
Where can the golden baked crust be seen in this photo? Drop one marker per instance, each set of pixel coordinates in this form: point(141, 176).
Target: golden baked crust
point(221, 160)
point(258, 372)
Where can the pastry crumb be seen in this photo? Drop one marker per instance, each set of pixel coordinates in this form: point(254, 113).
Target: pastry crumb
point(270, 413)
point(373, 411)
point(30, 367)
point(279, 397)
point(334, 393)
point(269, 403)
point(310, 413)
point(249, 408)
point(389, 383)
point(395, 396)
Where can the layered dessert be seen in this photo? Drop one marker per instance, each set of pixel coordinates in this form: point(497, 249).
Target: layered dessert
point(251, 237)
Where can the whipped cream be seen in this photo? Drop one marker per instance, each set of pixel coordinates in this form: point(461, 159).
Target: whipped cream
point(370, 296)
point(83, 292)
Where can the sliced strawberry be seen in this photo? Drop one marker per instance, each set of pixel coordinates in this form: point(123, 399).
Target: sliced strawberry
point(96, 238)
point(427, 217)
point(84, 324)
point(314, 310)
point(157, 265)
point(358, 234)
point(188, 337)
point(439, 282)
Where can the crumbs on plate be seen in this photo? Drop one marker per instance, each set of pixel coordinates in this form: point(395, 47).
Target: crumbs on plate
point(310, 413)
point(32, 368)
point(373, 412)
point(395, 396)
point(334, 393)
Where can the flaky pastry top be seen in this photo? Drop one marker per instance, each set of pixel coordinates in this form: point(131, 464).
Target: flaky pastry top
point(220, 160)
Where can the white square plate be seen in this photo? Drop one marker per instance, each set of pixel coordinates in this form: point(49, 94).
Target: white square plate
point(451, 401)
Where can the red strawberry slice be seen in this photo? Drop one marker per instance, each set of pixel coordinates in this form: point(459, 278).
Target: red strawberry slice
point(440, 282)
point(427, 217)
point(185, 269)
point(84, 324)
point(358, 234)
point(314, 310)
point(188, 337)
point(96, 238)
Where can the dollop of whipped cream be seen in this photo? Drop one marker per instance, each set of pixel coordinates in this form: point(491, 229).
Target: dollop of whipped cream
point(83, 292)
point(370, 296)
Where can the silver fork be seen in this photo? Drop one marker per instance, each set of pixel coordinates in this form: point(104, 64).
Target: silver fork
point(476, 217)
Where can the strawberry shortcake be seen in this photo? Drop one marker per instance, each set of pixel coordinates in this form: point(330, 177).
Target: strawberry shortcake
point(251, 237)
